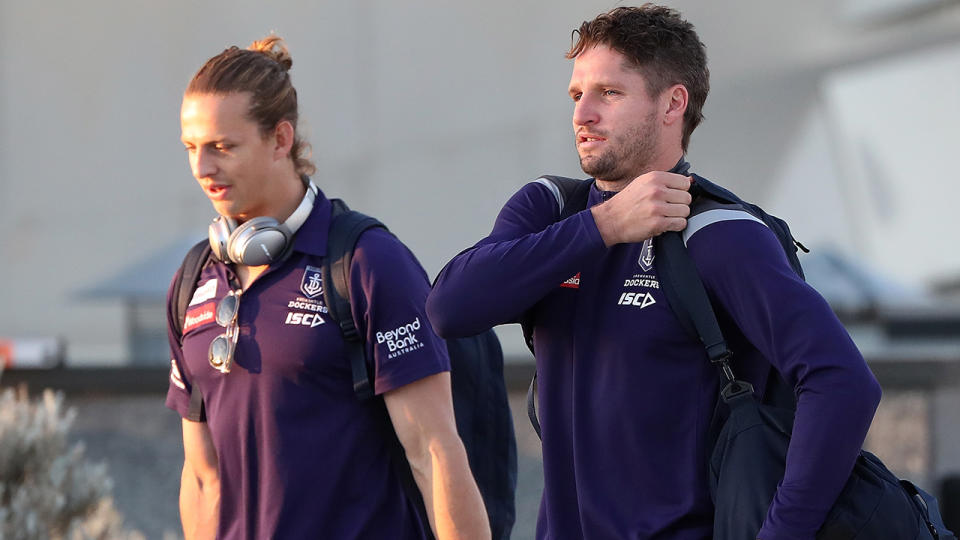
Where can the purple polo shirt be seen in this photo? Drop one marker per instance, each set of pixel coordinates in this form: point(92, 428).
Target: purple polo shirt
point(626, 395)
point(299, 455)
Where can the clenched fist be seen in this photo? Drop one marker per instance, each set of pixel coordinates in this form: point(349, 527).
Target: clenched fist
point(651, 204)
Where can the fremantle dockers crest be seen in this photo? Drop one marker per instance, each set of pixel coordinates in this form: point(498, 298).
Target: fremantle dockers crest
point(646, 255)
point(312, 283)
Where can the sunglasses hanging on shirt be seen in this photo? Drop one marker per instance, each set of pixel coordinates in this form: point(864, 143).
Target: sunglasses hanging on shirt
point(223, 347)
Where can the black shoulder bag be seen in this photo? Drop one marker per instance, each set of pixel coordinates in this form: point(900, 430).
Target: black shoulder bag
point(749, 455)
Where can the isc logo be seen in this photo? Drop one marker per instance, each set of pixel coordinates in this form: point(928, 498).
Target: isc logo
point(636, 299)
point(306, 319)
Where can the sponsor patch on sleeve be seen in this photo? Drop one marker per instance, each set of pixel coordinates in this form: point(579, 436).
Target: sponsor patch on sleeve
point(199, 316)
point(204, 292)
point(402, 339)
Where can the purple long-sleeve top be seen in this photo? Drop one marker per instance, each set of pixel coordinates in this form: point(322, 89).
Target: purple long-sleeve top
point(626, 395)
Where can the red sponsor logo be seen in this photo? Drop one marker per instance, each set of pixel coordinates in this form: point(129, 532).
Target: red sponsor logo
point(572, 283)
point(199, 316)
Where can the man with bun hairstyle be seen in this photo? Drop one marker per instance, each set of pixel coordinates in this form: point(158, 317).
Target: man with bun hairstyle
point(276, 443)
point(626, 394)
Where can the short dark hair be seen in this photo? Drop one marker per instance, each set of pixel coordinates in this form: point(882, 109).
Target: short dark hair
point(262, 69)
point(657, 41)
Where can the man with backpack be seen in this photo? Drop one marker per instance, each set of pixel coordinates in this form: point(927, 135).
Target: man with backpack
point(626, 394)
point(276, 443)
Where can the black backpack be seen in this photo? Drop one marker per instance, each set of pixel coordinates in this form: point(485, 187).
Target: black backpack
point(679, 276)
point(483, 416)
point(751, 437)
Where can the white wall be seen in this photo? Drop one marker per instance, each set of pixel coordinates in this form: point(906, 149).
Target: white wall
point(872, 170)
point(427, 114)
point(424, 114)
point(896, 125)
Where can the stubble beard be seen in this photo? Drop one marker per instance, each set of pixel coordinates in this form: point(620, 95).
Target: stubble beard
point(628, 157)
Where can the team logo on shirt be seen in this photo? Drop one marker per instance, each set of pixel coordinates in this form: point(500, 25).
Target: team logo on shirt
point(642, 280)
point(646, 255)
point(312, 320)
point(639, 299)
point(313, 308)
point(572, 283)
point(312, 282)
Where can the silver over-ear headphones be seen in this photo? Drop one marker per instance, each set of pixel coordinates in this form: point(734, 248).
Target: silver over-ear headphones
point(261, 240)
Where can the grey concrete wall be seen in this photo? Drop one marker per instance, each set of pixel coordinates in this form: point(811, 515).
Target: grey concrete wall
point(428, 114)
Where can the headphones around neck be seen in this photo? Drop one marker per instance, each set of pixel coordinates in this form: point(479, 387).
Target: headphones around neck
point(261, 240)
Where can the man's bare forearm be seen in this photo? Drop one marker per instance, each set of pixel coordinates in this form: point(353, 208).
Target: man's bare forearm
point(450, 494)
point(199, 506)
point(422, 416)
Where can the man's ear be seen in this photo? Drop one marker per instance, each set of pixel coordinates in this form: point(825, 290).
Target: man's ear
point(674, 103)
point(284, 135)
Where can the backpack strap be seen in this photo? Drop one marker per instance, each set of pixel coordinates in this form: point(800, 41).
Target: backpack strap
point(346, 226)
point(183, 288)
point(681, 283)
point(688, 298)
point(704, 188)
point(685, 293)
point(571, 195)
point(182, 293)
point(532, 405)
point(929, 510)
